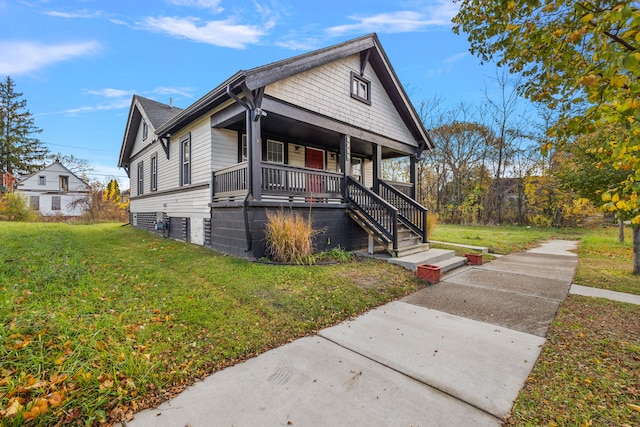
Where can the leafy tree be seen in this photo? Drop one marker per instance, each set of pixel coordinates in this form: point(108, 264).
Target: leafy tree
point(20, 152)
point(112, 192)
point(581, 58)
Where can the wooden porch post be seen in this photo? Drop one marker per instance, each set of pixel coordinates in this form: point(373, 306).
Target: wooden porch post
point(345, 161)
point(254, 153)
point(413, 178)
point(377, 167)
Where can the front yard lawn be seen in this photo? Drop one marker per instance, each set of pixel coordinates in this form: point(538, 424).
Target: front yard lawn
point(100, 321)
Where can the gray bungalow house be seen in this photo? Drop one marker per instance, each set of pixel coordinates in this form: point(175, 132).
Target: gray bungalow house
point(305, 134)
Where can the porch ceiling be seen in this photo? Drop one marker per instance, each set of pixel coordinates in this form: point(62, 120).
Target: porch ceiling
point(286, 129)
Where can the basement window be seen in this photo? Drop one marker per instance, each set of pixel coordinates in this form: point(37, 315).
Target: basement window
point(360, 88)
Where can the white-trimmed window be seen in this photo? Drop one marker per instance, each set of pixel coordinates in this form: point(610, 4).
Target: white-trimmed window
point(275, 151)
point(42, 180)
point(360, 88)
point(55, 203)
point(140, 178)
point(243, 148)
point(154, 172)
point(185, 160)
point(145, 130)
point(356, 168)
point(34, 202)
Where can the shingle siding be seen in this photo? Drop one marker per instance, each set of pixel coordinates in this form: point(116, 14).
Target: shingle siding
point(326, 90)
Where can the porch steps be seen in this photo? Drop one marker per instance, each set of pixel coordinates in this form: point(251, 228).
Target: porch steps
point(408, 242)
point(443, 258)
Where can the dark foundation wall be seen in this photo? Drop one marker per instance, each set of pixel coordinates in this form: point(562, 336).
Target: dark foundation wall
point(228, 229)
point(177, 227)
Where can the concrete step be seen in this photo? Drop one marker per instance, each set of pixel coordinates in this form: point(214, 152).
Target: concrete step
point(404, 251)
point(451, 263)
point(431, 256)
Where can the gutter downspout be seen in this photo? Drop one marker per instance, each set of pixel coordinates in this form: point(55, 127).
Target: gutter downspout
point(247, 226)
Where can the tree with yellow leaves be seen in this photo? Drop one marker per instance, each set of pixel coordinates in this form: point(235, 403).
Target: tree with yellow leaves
point(582, 59)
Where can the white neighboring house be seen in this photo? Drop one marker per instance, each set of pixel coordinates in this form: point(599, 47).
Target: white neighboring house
point(53, 191)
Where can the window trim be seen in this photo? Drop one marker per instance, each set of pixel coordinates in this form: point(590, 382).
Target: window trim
point(185, 175)
point(145, 129)
point(140, 189)
point(34, 202)
point(153, 172)
point(42, 180)
point(282, 144)
point(357, 78)
point(57, 205)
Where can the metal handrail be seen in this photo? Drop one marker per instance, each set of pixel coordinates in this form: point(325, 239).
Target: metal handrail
point(381, 215)
point(411, 213)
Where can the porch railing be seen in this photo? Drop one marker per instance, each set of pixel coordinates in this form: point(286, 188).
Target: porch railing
point(381, 216)
point(411, 213)
point(403, 187)
point(230, 183)
point(294, 181)
point(278, 182)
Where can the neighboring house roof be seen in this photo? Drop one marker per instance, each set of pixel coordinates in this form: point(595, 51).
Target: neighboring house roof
point(267, 74)
point(51, 166)
point(153, 112)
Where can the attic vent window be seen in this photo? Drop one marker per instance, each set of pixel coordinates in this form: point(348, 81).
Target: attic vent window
point(360, 88)
point(42, 180)
point(145, 130)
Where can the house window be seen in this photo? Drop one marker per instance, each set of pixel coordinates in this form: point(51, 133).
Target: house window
point(356, 168)
point(360, 88)
point(42, 180)
point(145, 130)
point(243, 148)
point(64, 183)
point(55, 203)
point(185, 160)
point(34, 202)
point(154, 172)
point(140, 178)
point(275, 151)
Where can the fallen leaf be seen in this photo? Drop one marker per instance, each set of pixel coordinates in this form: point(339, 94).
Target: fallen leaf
point(39, 407)
point(55, 399)
point(634, 407)
point(13, 408)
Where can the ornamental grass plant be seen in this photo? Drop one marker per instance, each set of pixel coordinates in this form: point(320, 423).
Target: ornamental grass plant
point(290, 237)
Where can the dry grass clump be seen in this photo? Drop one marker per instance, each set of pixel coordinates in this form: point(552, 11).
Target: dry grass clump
point(432, 220)
point(290, 237)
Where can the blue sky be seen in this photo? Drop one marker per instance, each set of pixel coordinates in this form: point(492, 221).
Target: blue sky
point(78, 63)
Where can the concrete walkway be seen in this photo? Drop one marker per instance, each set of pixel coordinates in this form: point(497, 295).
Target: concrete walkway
point(453, 354)
point(603, 293)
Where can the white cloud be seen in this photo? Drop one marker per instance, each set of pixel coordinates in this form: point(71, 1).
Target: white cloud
point(182, 91)
point(19, 57)
point(213, 5)
point(72, 15)
point(447, 65)
point(434, 15)
point(306, 44)
point(111, 93)
point(222, 33)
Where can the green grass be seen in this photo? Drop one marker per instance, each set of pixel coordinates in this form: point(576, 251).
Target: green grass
point(99, 321)
point(588, 371)
point(503, 239)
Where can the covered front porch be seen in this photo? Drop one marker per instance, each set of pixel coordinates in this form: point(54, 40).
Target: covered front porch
point(294, 158)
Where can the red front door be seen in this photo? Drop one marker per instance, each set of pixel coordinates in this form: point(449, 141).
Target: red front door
point(314, 159)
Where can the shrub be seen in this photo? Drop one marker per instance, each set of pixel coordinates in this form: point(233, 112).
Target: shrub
point(290, 237)
point(14, 207)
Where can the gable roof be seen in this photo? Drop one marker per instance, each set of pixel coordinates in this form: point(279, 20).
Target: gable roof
point(56, 162)
point(154, 112)
point(276, 71)
point(262, 76)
